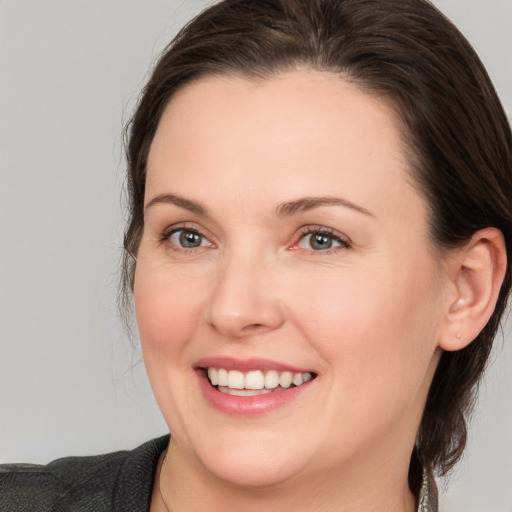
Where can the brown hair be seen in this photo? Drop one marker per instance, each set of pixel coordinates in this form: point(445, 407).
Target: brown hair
point(456, 132)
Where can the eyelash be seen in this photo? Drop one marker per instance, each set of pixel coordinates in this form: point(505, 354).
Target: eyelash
point(328, 232)
point(344, 242)
point(168, 233)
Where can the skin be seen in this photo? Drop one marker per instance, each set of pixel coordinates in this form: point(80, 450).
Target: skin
point(367, 315)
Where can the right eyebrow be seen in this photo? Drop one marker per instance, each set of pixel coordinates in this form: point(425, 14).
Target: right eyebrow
point(308, 203)
point(181, 202)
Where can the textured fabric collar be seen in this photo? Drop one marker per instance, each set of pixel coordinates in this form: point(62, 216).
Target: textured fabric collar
point(134, 483)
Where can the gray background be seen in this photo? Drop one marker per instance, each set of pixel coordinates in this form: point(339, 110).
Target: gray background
point(70, 381)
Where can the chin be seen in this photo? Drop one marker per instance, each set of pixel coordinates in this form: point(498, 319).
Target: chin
point(254, 472)
point(252, 460)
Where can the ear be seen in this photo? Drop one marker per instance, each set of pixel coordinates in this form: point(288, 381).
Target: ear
point(477, 272)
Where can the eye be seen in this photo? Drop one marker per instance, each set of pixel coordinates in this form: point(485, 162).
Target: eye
point(187, 239)
point(324, 239)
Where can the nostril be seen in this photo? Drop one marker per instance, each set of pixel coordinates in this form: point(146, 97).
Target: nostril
point(254, 329)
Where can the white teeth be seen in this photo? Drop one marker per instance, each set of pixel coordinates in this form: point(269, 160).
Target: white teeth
point(222, 377)
point(255, 381)
point(213, 375)
point(271, 379)
point(244, 392)
point(236, 380)
point(297, 379)
point(285, 379)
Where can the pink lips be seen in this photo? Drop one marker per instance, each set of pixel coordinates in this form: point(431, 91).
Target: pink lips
point(247, 405)
point(246, 365)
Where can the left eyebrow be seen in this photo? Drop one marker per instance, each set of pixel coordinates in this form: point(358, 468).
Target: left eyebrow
point(308, 203)
point(181, 202)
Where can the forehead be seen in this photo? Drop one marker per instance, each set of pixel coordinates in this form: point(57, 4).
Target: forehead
point(298, 133)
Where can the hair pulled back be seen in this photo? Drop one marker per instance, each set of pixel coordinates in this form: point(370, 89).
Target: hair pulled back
point(455, 133)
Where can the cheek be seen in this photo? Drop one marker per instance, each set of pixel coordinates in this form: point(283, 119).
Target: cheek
point(168, 306)
point(376, 332)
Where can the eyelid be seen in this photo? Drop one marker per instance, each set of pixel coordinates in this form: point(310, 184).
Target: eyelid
point(302, 232)
point(185, 226)
point(344, 240)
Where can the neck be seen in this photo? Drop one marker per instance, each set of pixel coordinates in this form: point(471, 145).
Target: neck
point(186, 485)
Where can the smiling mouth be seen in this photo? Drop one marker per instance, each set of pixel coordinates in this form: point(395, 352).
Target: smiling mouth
point(255, 382)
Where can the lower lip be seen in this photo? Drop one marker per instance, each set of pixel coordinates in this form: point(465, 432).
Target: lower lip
point(248, 405)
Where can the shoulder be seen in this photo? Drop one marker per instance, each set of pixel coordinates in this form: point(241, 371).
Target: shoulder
point(97, 483)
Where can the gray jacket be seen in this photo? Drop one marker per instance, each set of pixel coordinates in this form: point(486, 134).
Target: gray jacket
point(115, 482)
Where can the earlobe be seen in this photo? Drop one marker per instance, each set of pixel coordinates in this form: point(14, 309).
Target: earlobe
point(477, 274)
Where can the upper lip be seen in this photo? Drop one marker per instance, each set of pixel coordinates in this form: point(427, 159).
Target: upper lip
point(245, 365)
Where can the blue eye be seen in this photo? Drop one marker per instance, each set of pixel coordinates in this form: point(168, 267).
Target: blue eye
point(321, 241)
point(188, 239)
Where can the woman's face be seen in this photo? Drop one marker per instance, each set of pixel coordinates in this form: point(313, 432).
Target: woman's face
point(283, 240)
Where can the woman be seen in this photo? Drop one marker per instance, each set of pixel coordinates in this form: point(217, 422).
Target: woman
point(317, 248)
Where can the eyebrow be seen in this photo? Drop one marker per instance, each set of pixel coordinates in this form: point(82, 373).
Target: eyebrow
point(308, 203)
point(283, 210)
point(186, 204)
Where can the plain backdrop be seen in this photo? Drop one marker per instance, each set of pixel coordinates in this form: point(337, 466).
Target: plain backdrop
point(71, 382)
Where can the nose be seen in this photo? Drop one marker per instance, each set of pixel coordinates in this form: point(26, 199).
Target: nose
point(244, 300)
